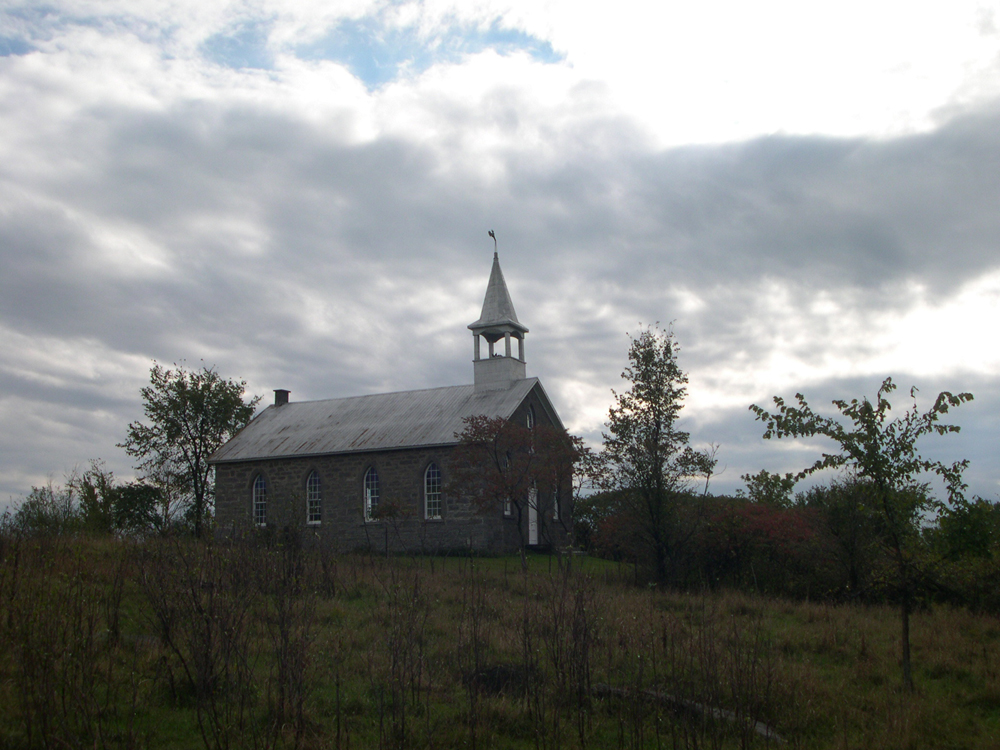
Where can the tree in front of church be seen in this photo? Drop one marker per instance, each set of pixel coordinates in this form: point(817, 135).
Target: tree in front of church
point(647, 462)
point(513, 469)
point(189, 415)
point(880, 454)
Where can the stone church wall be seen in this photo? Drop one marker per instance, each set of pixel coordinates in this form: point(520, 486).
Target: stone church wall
point(463, 526)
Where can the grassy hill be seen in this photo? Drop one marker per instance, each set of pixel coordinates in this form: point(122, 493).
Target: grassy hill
point(172, 644)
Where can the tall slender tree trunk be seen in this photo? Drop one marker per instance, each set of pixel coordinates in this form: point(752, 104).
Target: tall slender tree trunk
point(661, 563)
point(198, 511)
point(905, 589)
point(906, 607)
point(907, 669)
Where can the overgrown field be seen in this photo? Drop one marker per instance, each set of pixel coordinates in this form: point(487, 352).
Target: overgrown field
point(173, 644)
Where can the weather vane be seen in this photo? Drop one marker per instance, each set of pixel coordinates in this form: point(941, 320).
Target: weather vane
point(494, 241)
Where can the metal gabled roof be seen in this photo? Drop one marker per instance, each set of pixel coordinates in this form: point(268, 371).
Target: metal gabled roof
point(498, 308)
point(384, 421)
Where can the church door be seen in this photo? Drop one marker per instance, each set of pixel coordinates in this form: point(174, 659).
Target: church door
point(532, 517)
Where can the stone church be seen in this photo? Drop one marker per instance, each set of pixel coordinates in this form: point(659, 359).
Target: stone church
point(322, 468)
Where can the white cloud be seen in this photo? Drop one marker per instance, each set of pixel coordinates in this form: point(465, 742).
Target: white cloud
point(806, 342)
point(300, 228)
point(720, 71)
point(948, 337)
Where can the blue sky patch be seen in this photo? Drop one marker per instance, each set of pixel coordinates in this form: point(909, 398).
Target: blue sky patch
point(25, 25)
point(378, 55)
point(244, 47)
point(13, 46)
point(29, 25)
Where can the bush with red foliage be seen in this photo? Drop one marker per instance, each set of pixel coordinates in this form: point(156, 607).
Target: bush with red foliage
point(768, 548)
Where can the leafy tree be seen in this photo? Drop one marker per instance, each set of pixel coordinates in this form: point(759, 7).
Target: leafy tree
point(96, 491)
point(136, 508)
point(190, 415)
point(48, 510)
point(107, 506)
point(563, 467)
point(970, 529)
point(507, 468)
point(595, 517)
point(646, 458)
point(173, 508)
point(967, 538)
point(769, 489)
point(881, 453)
point(852, 525)
point(760, 546)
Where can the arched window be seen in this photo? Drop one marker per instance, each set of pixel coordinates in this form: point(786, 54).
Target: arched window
point(314, 499)
point(371, 493)
point(260, 500)
point(432, 492)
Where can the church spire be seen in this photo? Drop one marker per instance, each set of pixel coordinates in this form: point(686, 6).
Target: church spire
point(498, 309)
point(497, 321)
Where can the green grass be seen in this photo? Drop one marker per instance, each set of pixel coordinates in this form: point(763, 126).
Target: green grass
point(391, 651)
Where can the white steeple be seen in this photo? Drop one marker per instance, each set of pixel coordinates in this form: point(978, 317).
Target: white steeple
point(498, 321)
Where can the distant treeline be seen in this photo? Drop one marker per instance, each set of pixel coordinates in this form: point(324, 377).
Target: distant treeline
point(825, 544)
point(95, 502)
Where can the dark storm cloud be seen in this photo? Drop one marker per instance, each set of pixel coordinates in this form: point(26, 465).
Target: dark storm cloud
point(287, 254)
point(822, 211)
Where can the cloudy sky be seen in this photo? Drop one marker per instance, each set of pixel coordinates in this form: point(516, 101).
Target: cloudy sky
point(299, 193)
